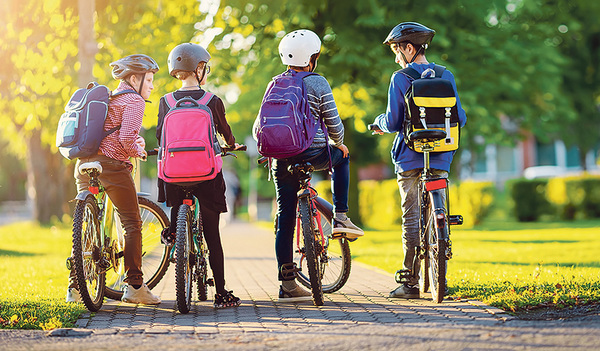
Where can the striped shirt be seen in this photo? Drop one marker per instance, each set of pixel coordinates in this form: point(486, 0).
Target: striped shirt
point(322, 104)
point(127, 111)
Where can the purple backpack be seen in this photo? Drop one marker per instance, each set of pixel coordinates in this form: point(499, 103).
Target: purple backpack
point(286, 126)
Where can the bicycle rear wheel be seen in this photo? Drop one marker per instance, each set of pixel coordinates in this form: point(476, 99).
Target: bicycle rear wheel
point(436, 252)
point(334, 261)
point(88, 253)
point(312, 250)
point(183, 259)
point(155, 255)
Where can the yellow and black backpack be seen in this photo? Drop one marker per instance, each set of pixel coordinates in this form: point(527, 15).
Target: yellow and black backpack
point(431, 104)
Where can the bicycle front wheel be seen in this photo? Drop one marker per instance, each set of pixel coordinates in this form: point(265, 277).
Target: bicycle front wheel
point(88, 254)
point(334, 261)
point(183, 259)
point(155, 255)
point(312, 250)
point(436, 252)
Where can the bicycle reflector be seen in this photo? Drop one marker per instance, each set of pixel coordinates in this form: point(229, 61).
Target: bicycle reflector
point(94, 189)
point(436, 184)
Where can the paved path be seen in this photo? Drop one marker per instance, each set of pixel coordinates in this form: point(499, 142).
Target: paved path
point(358, 317)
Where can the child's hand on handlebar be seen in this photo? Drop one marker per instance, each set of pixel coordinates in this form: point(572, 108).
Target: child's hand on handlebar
point(375, 129)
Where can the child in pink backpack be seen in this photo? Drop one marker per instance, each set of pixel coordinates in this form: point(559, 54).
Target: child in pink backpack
point(189, 63)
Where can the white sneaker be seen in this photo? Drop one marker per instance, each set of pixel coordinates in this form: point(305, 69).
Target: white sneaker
point(295, 295)
point(347, 227)
point(73, 295)
point(141, 295)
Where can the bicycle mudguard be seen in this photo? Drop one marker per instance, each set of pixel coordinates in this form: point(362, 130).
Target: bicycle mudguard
point(82, 195)
point(143, 194)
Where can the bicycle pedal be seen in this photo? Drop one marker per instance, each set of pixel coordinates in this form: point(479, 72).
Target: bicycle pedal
point(69, 263)
point(210, 282)
point(455, 219)
point(403, 276)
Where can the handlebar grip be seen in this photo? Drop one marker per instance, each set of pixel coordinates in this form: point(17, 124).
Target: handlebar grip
point(373, 127)
point(152, 152)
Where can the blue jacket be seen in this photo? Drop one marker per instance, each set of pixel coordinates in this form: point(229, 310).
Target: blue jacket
point(392, 122)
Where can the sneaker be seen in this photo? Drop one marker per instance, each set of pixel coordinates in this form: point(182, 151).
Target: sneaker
point(295, 295)
point(347, 227)
point(73, 295)
point(141, 295)
point(405, 291)
point(226, 300)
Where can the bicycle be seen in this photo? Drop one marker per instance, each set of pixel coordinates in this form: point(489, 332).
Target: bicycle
point(327, 271)
point(190, 252)
point(99, 240)
point(435, 247)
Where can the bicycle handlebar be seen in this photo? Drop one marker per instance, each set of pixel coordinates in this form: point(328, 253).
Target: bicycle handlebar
point(374, 128)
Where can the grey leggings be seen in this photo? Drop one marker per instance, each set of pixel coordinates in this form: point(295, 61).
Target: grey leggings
point(408, 182)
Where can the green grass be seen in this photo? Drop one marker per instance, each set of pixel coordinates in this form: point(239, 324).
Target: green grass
point(34, 277)
point(510, 265)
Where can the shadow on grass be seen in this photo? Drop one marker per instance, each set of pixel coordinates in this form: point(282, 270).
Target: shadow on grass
point(15, 253)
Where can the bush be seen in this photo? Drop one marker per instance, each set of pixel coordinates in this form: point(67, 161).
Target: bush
point(473, 200)
point(380, 203)
point(575, 196)
point(529, 200)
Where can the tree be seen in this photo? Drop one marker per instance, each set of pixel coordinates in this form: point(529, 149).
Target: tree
point(36, 78)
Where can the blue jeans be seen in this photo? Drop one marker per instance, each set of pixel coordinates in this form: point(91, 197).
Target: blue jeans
point(287, 187)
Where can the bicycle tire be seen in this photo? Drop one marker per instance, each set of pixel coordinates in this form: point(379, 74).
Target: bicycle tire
point(310, 250)
point(155, 255)
point(437, 247)
point(87, 253)
point(335, 267)
point(183, 258)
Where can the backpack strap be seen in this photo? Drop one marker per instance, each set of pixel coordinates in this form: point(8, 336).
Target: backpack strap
point(439, 70)
point(411, 73)
point(170, 100)
point(205, 99)
point(112, 95)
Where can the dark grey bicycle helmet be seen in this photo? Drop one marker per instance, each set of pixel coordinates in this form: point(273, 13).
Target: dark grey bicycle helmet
point(132, 64)
point(186, 57)
point(412, 32)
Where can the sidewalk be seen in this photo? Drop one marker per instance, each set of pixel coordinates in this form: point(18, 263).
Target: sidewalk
point(250, 270)
point(358, 317)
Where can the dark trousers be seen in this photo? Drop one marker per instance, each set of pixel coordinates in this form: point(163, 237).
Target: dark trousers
point(287, 187)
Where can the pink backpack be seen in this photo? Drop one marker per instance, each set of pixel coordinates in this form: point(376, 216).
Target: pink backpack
point(189, 150)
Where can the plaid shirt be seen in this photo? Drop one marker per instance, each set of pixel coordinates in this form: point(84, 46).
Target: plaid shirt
point(127, 111)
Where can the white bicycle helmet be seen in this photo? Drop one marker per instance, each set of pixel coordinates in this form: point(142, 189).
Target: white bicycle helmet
point(297, 47)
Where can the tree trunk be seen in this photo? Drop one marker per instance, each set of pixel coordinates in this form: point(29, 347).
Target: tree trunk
point(46, 181)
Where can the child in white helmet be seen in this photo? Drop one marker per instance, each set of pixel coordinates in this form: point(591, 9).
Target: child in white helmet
point(300, 50)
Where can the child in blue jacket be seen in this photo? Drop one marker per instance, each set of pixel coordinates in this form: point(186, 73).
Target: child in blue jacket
point(408, 41)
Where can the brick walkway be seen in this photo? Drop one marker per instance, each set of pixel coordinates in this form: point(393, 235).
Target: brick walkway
point(251, 273)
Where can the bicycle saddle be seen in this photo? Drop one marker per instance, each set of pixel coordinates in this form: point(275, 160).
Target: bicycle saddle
point(304, 167)
point(87, 166)
point(426, 135)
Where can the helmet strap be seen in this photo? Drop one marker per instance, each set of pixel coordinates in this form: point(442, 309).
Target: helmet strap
point(417, 54)
point(199, 79)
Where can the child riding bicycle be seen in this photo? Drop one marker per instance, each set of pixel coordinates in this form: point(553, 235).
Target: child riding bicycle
point(189, 63)
point(300, 50)
point(408, 41)
point(136, 72)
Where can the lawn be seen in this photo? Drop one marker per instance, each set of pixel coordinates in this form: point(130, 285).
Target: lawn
point(34, 277)
point(514, 266)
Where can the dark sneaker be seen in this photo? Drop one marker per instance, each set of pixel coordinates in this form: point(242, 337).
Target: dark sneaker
point(405, 291)
point(226, 300)
point(295, 295)
point(348, 228)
